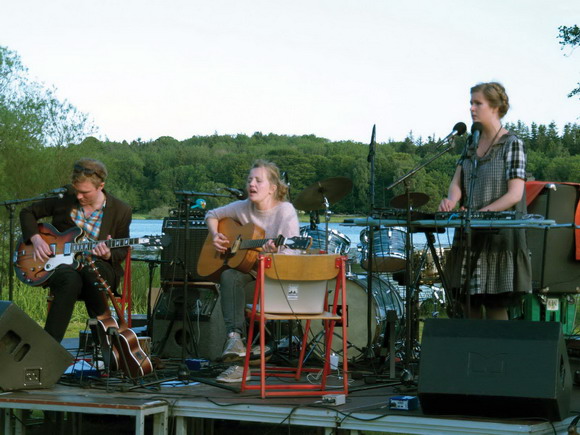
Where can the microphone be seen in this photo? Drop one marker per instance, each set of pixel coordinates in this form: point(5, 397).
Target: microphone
point(199, 203)
point(235, 192)
point(475, 135)
point(372, 145)
point(458, 130)
point(284, 176)
point(57, 192)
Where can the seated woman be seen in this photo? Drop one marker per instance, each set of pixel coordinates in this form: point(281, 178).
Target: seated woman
point(268, 208)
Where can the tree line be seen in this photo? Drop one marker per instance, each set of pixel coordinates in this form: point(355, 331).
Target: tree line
point(147, 174)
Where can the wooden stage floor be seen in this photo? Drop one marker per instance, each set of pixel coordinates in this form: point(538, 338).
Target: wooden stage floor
point(116, 407)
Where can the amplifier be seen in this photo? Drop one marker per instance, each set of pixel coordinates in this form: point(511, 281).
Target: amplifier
point(178, 249)
point(554, 266)
point(195, 329)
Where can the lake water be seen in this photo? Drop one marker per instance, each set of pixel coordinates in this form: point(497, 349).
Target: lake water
point(143, 227)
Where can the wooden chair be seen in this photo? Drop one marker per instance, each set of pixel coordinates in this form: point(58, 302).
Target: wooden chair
point(298, 268)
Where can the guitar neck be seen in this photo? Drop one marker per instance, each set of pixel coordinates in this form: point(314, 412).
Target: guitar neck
point(89, 245)
point(107, 289)
point(253, 243)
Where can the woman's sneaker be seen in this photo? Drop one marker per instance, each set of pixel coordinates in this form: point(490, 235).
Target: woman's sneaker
point(233, 374)
point(234, 349)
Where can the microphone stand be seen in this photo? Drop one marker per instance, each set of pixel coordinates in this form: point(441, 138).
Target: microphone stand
point(11, 207)
point(467, 235)
point(152, 263)
point(183, 372)
point(407, 374)
point(371, 160)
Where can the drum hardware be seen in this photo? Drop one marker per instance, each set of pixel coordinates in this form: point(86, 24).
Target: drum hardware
point(385, 298)
point(389, 340)
point(320, 195)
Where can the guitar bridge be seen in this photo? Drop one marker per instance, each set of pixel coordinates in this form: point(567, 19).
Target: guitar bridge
point(235, 246)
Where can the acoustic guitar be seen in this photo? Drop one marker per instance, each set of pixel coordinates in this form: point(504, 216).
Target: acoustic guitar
point(66, 247)
point(123, 350)
point(245, 241)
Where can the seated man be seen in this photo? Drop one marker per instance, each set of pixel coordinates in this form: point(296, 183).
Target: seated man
point(101, 216)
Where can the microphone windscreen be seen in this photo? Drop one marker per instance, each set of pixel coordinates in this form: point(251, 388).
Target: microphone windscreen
point(460, 128)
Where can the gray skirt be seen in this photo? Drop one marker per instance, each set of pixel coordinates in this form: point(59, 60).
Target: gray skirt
point(500, 262)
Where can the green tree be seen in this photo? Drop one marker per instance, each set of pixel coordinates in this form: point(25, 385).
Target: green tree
point(30, 112)
point(570, 36)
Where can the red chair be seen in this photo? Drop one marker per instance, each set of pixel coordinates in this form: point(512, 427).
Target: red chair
point(298, 268)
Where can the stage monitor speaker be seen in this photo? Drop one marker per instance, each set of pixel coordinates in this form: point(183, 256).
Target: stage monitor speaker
point(29, 357)
point(494, 368)
point(203, 333)
point(554, 266)
point(173, 266)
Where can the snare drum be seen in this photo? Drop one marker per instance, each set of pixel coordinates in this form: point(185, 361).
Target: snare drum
point(384, 298)
point(338, 243)
point(388, 249)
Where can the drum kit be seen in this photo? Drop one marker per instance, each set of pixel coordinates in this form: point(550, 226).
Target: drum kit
point(371, 294)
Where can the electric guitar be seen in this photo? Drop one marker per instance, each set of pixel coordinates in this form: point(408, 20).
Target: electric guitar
point(65, 248)
point(243, 250)
point(124, 349)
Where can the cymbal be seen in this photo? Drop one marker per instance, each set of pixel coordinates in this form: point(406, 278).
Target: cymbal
point(417, 200)
point(312, 198)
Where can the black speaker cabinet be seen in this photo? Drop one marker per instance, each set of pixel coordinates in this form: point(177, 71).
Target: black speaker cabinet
point(554, 267)
point(198, 334)
point(29, 357)
point(173, 266)
point(494, 368)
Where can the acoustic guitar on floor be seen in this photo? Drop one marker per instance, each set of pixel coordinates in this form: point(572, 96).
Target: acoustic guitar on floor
point(245, 243)
point(123, 348)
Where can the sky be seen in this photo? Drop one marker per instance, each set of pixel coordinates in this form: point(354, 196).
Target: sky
point(142, 69)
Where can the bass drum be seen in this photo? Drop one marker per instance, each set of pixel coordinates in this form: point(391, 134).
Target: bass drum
point(384, 298)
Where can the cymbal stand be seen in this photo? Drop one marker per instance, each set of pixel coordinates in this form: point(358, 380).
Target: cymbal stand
point(409, 284)
point(407, 374)
point(371, 161)
point(326, 220)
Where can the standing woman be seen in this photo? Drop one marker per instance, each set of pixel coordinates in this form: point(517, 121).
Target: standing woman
point(500, 262)
point(266, 207)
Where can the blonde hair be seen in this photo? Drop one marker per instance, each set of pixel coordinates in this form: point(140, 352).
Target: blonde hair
point(273, 177)
point(89, 170)
point(495, 95)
